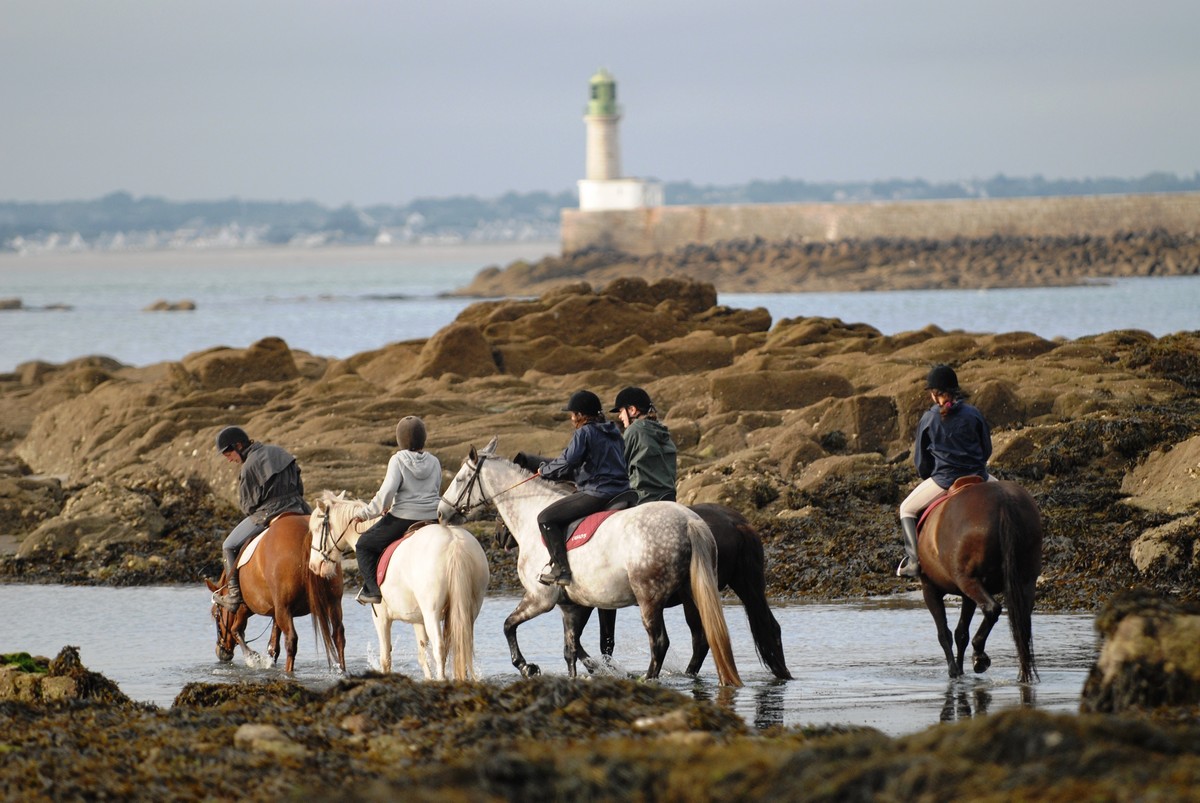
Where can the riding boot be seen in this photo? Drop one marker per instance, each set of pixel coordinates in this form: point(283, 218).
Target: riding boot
point(558, 572)
point(232, 597)
point(369, 594)
point(910, 566)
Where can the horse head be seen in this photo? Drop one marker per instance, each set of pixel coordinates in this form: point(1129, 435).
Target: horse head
point(465, 492)
point(226, 627)
point(326, 528)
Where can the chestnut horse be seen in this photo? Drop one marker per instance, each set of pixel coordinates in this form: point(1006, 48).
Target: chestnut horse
point(984, 539)
point(276, 582)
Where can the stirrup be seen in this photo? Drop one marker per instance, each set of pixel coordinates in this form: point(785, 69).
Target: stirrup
point(363, 598)
point(908, 568)
point(229, 601)
point(555, 576)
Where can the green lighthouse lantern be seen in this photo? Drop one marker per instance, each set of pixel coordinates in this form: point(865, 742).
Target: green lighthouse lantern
point(602, 101)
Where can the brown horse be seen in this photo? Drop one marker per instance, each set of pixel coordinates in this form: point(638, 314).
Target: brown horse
point(985, 539)
point(276, 582)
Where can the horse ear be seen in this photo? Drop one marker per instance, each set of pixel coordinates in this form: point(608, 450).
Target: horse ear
point(473, 455)
point(490, 449)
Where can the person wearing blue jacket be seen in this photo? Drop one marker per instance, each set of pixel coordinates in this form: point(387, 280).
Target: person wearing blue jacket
point(595, 461)
point(953, 441)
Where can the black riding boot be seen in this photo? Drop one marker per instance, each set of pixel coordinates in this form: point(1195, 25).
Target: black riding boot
point(558, 572)
point(369, 594)
point(233, 593)
point(910, 566)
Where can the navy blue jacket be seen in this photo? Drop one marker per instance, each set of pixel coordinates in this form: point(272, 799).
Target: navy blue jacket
point(954, 446)
point(594, 459)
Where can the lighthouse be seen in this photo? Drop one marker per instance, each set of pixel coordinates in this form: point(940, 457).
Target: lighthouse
point(603, 186)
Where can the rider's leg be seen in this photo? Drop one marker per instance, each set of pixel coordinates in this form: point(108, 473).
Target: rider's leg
point(910, 510)
point(368, 551)
point(553, 523)
point(241, 535)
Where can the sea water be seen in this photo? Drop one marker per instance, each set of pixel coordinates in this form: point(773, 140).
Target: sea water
point(340, 302)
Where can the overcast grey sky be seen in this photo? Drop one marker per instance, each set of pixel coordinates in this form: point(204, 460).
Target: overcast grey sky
point(385, 101)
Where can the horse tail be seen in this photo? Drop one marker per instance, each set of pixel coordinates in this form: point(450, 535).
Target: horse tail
point(321, 604)
point(749, 582)
point(464, 597)
point(708, 601)
point(1014, 531)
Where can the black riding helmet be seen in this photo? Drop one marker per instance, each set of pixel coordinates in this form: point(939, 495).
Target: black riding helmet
point(229, 438)
point(943, 378)
point(584, 402)
point(632, 397)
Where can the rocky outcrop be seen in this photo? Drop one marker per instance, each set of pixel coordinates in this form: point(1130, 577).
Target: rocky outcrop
point(1150, 657)
point(803, 424)
point(881, 263)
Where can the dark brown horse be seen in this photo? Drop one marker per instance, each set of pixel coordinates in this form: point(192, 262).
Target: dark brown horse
point(985, 539)
point(277, 582)
point(740, 566)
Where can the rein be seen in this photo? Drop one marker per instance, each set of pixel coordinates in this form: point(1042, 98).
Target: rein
point(463, 509)
point(328, 537)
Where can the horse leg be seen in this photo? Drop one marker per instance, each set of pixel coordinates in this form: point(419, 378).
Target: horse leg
point(991, 613)
point(691, 615)
point(656, 628)
point(768, 640)
point(936, 603)
point(526, 609)
point(421, 632)
point(963, 631)
point(383, 631)
point(292, 641)
point(607, 617)
point(273, 644)
point(437, 644)
point(575, 617)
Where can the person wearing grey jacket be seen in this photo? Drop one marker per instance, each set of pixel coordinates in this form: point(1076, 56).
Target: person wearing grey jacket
point(409, 494)
point(269, 485)
point(650, 454)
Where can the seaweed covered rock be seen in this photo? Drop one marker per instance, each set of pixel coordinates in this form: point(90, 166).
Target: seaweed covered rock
point(1150, 657)
point(33, 679)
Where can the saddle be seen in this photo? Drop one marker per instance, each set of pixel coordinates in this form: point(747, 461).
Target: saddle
point(248, 549)
point(958, 485)
point(386, 557)
point(580, 531)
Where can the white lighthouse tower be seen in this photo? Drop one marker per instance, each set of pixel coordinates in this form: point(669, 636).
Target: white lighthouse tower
point(604, 188)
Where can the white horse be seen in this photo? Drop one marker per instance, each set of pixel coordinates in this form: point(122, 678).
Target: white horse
point(435, 581)
point(640, 556)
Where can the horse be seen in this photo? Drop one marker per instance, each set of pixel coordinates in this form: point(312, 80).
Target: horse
point(435, 581)
point(984, 539)
point(276, 582)
point(641, 555)
point(740, 567)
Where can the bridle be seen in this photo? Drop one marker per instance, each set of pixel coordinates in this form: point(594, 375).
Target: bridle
point(329, 542)
point(462, 506)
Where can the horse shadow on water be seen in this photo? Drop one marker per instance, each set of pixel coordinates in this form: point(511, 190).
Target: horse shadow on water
point(639, 556)
point(436, 581)
point(276, 582)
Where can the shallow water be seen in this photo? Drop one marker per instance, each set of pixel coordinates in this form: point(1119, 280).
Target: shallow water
point(875, 663)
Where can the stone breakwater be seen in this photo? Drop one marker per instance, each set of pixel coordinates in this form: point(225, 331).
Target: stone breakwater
point(803, 424)
point(757, 265)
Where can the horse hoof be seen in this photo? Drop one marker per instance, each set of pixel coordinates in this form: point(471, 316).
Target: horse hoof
point(530, 670)
point(981, 663)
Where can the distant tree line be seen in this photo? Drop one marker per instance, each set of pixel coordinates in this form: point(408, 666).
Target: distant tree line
point(511, 216)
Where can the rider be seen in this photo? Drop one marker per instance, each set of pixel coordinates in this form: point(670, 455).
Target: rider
point(649, 450)
point(269, 485)
point(409, 494)
point(595, 460)
point(952, 441)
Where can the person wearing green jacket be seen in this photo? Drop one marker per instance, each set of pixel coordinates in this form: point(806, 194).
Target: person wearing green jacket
point(649, 451)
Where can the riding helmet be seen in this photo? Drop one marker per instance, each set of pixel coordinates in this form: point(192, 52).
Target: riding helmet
point(410, 433)
point(230, 437)
point(584, 402)
point(943, 378)
point(632, 397)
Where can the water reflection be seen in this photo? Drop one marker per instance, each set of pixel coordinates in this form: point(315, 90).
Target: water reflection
point(874, 663)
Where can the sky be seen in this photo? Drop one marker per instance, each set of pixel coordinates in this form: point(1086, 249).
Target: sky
point(388, 101)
